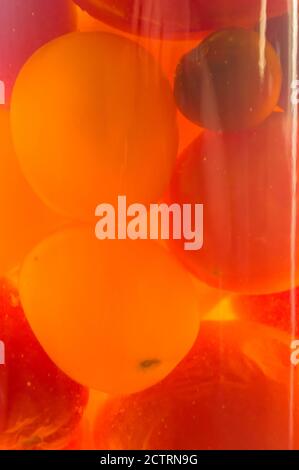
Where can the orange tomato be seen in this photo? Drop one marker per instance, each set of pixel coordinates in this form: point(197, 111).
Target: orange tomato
point(106, 125)
point(117, 315)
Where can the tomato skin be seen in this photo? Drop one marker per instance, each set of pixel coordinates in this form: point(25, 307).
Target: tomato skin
point(244, 180)
point(176, 19)
point(218, 398)
point(279, 310)
point(41, 407)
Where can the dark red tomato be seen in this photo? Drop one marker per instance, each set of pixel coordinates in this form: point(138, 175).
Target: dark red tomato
point(279, 310)
point(177, 18)
point(246, 183)
point(219, 397)
point(223, 84)
point(41, 407)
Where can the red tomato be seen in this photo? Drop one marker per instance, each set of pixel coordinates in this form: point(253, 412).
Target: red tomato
point(177, 18)
point(245, 182)
point(219, 397)
point(40, 406)
point(279, 310)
